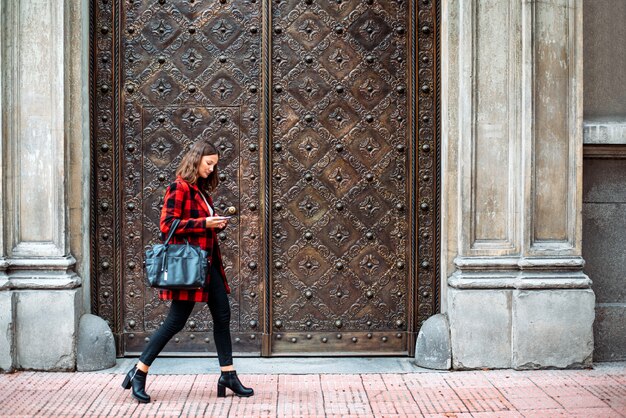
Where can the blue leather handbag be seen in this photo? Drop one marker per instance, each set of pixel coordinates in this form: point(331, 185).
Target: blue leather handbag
point(176, 266)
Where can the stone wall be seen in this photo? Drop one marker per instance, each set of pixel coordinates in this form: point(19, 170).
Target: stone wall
point(604, 223)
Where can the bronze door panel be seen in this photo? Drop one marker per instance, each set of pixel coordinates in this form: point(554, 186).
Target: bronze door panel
point(341, 225)
point(325, 113)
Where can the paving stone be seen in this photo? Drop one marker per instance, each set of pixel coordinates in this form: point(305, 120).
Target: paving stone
point(503, 393)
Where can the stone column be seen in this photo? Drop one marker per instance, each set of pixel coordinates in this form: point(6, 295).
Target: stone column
point(512, 97)
point(40, 288)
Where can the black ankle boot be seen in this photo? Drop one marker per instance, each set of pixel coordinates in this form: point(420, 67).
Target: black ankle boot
point(137, 379)
point(231, 381)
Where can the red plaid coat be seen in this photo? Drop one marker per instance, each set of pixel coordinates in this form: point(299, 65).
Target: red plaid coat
point(183, 201)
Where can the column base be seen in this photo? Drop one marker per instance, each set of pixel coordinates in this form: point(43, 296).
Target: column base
point(521, 320)
point(40, 305)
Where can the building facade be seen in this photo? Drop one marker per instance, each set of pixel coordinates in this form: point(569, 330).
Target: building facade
point(387, 161)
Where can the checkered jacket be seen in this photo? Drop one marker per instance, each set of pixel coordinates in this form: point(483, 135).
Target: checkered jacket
point(183, 201)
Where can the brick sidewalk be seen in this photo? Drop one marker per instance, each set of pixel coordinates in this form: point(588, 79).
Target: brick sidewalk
point(504, 393)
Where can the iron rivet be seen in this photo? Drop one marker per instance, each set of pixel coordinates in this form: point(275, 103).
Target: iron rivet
point(252, 265)
point(425, 293)
point(339, 336)
point(191, 336)
point(105, 236)
point(252, 294)
point(252, 336)
point(253, 89)
point(278, 89)
point(278, 265)
point(278, 30)
point(308, 236)
point(399, 323)
point(192, 29)
point(104, 147)
point(339, 206)
point(308, 294)
point(279, 336)
point(308, 118)
point(237, 340)
point(400, 147)
point(369, 236)
point(278, 294)
point(192, 89)
point(400, 89)
point(369, 335)
point(161, 59)
point(252, 147)
point(177, 339)
point(369, 58)
point(278, 206)
point(254, 29)
point(400, 30)
point(104, 205)
point(324, 340)
point(131, 336)
point(308, 177)
point(339, 147)
point(294, 340)
point(278, 323)
point(252, 206)
point(309, 336)
point(131, 206)
point(424, 206)
point(161, 118)
point(132, 323)
point(398, 335)
point(130, 88)
point(278, 146)
point(131, 265)
point(339, 265)
point(308, 59)
point(384, 339)
point(425, 88)
point(223, 118)
point(104, 30)
point(369, 294)
point(355, 339)
point(339, 89)
point(369, 323)
point(253, 324)
point(222, 236)
point(147, 339)
point(399, 206)
point(426, 29)
point(104, 88)
point(425, 264)
point(338, 323)
point(369, 118)
point(206, 340)
point(400, 265)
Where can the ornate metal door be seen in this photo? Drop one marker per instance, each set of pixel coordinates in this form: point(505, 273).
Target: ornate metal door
point(325, 115)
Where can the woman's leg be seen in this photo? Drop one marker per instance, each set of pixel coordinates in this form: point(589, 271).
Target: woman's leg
point(179, 312)
point(220, 311)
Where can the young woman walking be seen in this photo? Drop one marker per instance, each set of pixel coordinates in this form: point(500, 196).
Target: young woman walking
point(188, 199)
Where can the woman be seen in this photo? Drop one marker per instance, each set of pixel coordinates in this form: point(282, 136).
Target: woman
point(188, 199)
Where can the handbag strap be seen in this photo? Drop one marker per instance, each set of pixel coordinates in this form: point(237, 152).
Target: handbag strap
point(172, 230)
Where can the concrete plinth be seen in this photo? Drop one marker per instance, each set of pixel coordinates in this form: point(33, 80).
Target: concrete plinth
point(46, 329)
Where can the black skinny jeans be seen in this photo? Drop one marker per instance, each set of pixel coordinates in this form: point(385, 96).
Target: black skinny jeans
point(179, 313)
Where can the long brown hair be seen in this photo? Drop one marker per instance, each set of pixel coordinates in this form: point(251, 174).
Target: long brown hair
point(188, 168)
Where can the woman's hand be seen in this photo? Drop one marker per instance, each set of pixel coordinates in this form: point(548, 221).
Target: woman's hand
point(216, 222)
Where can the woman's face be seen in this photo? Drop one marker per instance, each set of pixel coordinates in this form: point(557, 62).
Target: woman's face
point(207, 165)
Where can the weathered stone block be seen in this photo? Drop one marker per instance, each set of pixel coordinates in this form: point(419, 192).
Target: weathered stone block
point(46, 329)
point(7, 323)
point(604, 233)
point(552, 328)
point(433, 349)
point(96, 346)
point(610, 333)
point(480, 324)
